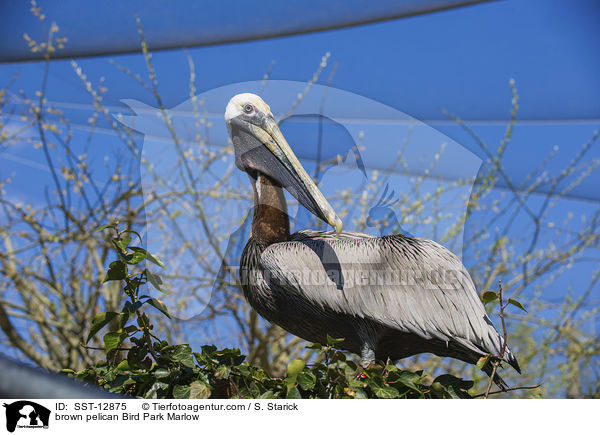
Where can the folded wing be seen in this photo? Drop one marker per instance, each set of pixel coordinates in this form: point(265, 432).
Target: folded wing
point(413, 285)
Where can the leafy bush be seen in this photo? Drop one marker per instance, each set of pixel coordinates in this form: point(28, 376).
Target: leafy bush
point(140, 364)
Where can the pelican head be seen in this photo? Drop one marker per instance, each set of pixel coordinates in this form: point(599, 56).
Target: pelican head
point(260, 148)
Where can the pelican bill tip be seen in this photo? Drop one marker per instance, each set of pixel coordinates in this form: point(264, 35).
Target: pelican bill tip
point(337, 224)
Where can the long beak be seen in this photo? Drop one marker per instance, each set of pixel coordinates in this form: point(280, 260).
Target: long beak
point(300, 185)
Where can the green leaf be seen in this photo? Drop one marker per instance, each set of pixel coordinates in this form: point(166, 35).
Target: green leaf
point(132, 232)
point(128, 307)
point(183, 354)
point(122, 243)
point(199, 390)
point(112, 340)
point(517, 304)
point(338, 356)
point(154, 390)
point(159, 306)
point(155, 280)
point(142, 320)
point(306, 380)
point(146, 363)
point(181, 392)
point(356, 383)
point(439, 391)
point(384, 391)
point(407, 378)
point(103, 227)
point(455, 387)
point(131, 328)
point(121, 383)
point(482, 362)
point(243, 370)
point(488, 297)
point(161, 373)
point(222, 372)
point(453, 380)
point(135, 355)
point(293, 369)
point(208, 348)
point(293, 393)
point(153, 258)
point(269, 394)
point(117, 270)
point(123, 319)
point(135, 258)
point(123, 365)
point(128, 381)
point(100, 320)
point(360, 394)
point(333, 341)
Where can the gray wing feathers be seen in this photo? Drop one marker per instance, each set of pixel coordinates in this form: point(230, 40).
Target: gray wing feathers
point(413, 285)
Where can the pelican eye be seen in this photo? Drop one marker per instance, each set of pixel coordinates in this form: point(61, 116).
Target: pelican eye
point(248, 108)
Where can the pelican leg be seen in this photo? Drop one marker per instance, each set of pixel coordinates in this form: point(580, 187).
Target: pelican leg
point(367, 361)
point(367, 355)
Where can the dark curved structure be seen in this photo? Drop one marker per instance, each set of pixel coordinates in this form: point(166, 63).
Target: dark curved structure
point(18, 380)
point(109, 27)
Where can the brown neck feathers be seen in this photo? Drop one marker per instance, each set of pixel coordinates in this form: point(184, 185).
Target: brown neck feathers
point(271, 223)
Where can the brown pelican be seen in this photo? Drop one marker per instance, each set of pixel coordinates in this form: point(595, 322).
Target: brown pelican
point(387, 297)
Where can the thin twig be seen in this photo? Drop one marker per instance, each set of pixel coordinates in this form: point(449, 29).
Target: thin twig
point(103, 348)
point(486, 394)
point(504, 344)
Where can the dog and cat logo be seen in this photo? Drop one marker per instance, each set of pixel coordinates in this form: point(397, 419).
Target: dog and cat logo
point(25, 414)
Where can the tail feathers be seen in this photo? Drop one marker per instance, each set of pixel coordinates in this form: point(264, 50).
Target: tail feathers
point(509, 357)
point(512, 360)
